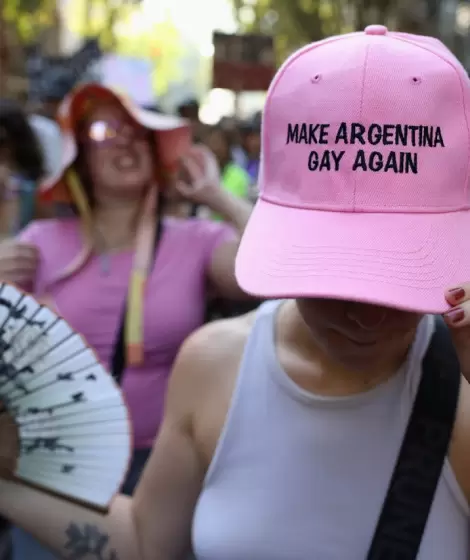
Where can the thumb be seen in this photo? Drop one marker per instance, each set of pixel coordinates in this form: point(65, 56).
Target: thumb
point(47, 301)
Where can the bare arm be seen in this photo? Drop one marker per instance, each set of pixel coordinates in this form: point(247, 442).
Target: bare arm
point(236, 212)
point(67, 528)
point(172, 480)
point(154, 525)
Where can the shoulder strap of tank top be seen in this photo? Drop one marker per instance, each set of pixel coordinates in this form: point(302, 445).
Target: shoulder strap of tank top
point(261, 338)
point(414, 481)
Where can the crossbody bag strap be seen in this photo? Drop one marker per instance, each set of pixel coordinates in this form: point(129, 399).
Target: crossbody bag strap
point(414, 481)
point(118, 361)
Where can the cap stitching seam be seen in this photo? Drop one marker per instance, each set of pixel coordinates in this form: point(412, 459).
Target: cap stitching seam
point(361, 107)
point(367, 209)
point(448, 62)
point(287, 64)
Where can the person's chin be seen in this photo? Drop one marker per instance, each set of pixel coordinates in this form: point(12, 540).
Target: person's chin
point(129, 182)
point(342, 339)
point(358, 356)
point(356, 353)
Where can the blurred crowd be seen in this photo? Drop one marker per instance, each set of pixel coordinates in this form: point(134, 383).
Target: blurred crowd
point(137, 228)
point(31, 145)
point(100, 156)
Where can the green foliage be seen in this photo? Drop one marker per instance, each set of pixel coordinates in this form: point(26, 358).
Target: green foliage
point(29, 16)
point(162, 44)
point(296, 22)
point(292, 22)
point(92, 18)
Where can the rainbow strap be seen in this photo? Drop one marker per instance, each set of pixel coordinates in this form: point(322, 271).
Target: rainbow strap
point(143, 259)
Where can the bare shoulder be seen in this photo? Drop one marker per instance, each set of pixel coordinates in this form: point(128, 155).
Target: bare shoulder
point(43, 231)
point(208, 362)
point(215, 342)
point(460, 447)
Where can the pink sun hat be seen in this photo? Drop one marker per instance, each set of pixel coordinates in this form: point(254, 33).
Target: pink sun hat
point(365, 175)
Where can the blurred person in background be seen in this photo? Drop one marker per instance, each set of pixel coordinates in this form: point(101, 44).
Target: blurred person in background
point(42, 116)
point(231, 126)
point(53, 92)
point(234, 178)
point(22, 166)
point(236, 181)
point(250, 131)
point(282, 429)
point(189, 110)
point(49, 137)
point(120, 169)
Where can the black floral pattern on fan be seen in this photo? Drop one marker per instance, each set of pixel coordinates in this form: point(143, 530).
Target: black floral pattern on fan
point(27, 337)
point(88, 542)
point(50, 444)
point(17, 312)
point(74, 399)
point(60, 396)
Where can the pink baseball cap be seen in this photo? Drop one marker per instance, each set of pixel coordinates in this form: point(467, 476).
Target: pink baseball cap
point(365, 175)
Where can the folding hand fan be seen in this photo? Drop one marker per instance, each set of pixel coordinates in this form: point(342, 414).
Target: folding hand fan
point(73, 426)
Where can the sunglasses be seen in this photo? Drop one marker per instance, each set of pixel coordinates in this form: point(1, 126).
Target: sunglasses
point(105, 132)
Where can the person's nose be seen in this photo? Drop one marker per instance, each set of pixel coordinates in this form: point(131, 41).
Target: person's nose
point(125, 136)
point(368, 317)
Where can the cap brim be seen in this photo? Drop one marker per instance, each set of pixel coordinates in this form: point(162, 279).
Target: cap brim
point(403, 261)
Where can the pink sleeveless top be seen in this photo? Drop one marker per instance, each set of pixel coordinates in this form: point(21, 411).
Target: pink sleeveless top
point(299, 476)
point(92, 300)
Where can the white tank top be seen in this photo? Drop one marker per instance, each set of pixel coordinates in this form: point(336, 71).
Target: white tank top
point(297, 476)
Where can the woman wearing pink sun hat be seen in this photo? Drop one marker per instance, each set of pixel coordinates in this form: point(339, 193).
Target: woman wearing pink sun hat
point(132, 280)
point(319, 426)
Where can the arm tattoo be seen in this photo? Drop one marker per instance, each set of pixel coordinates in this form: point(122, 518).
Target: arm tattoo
point(88, 542)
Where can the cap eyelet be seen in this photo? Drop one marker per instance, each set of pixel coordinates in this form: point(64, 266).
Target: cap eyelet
point(416, 80)
point(315, 79)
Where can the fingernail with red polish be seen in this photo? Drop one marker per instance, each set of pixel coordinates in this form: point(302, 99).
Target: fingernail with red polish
point(455, 316)
point(457, 293)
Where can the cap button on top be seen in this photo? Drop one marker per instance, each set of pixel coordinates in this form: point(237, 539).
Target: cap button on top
point(376, 30)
